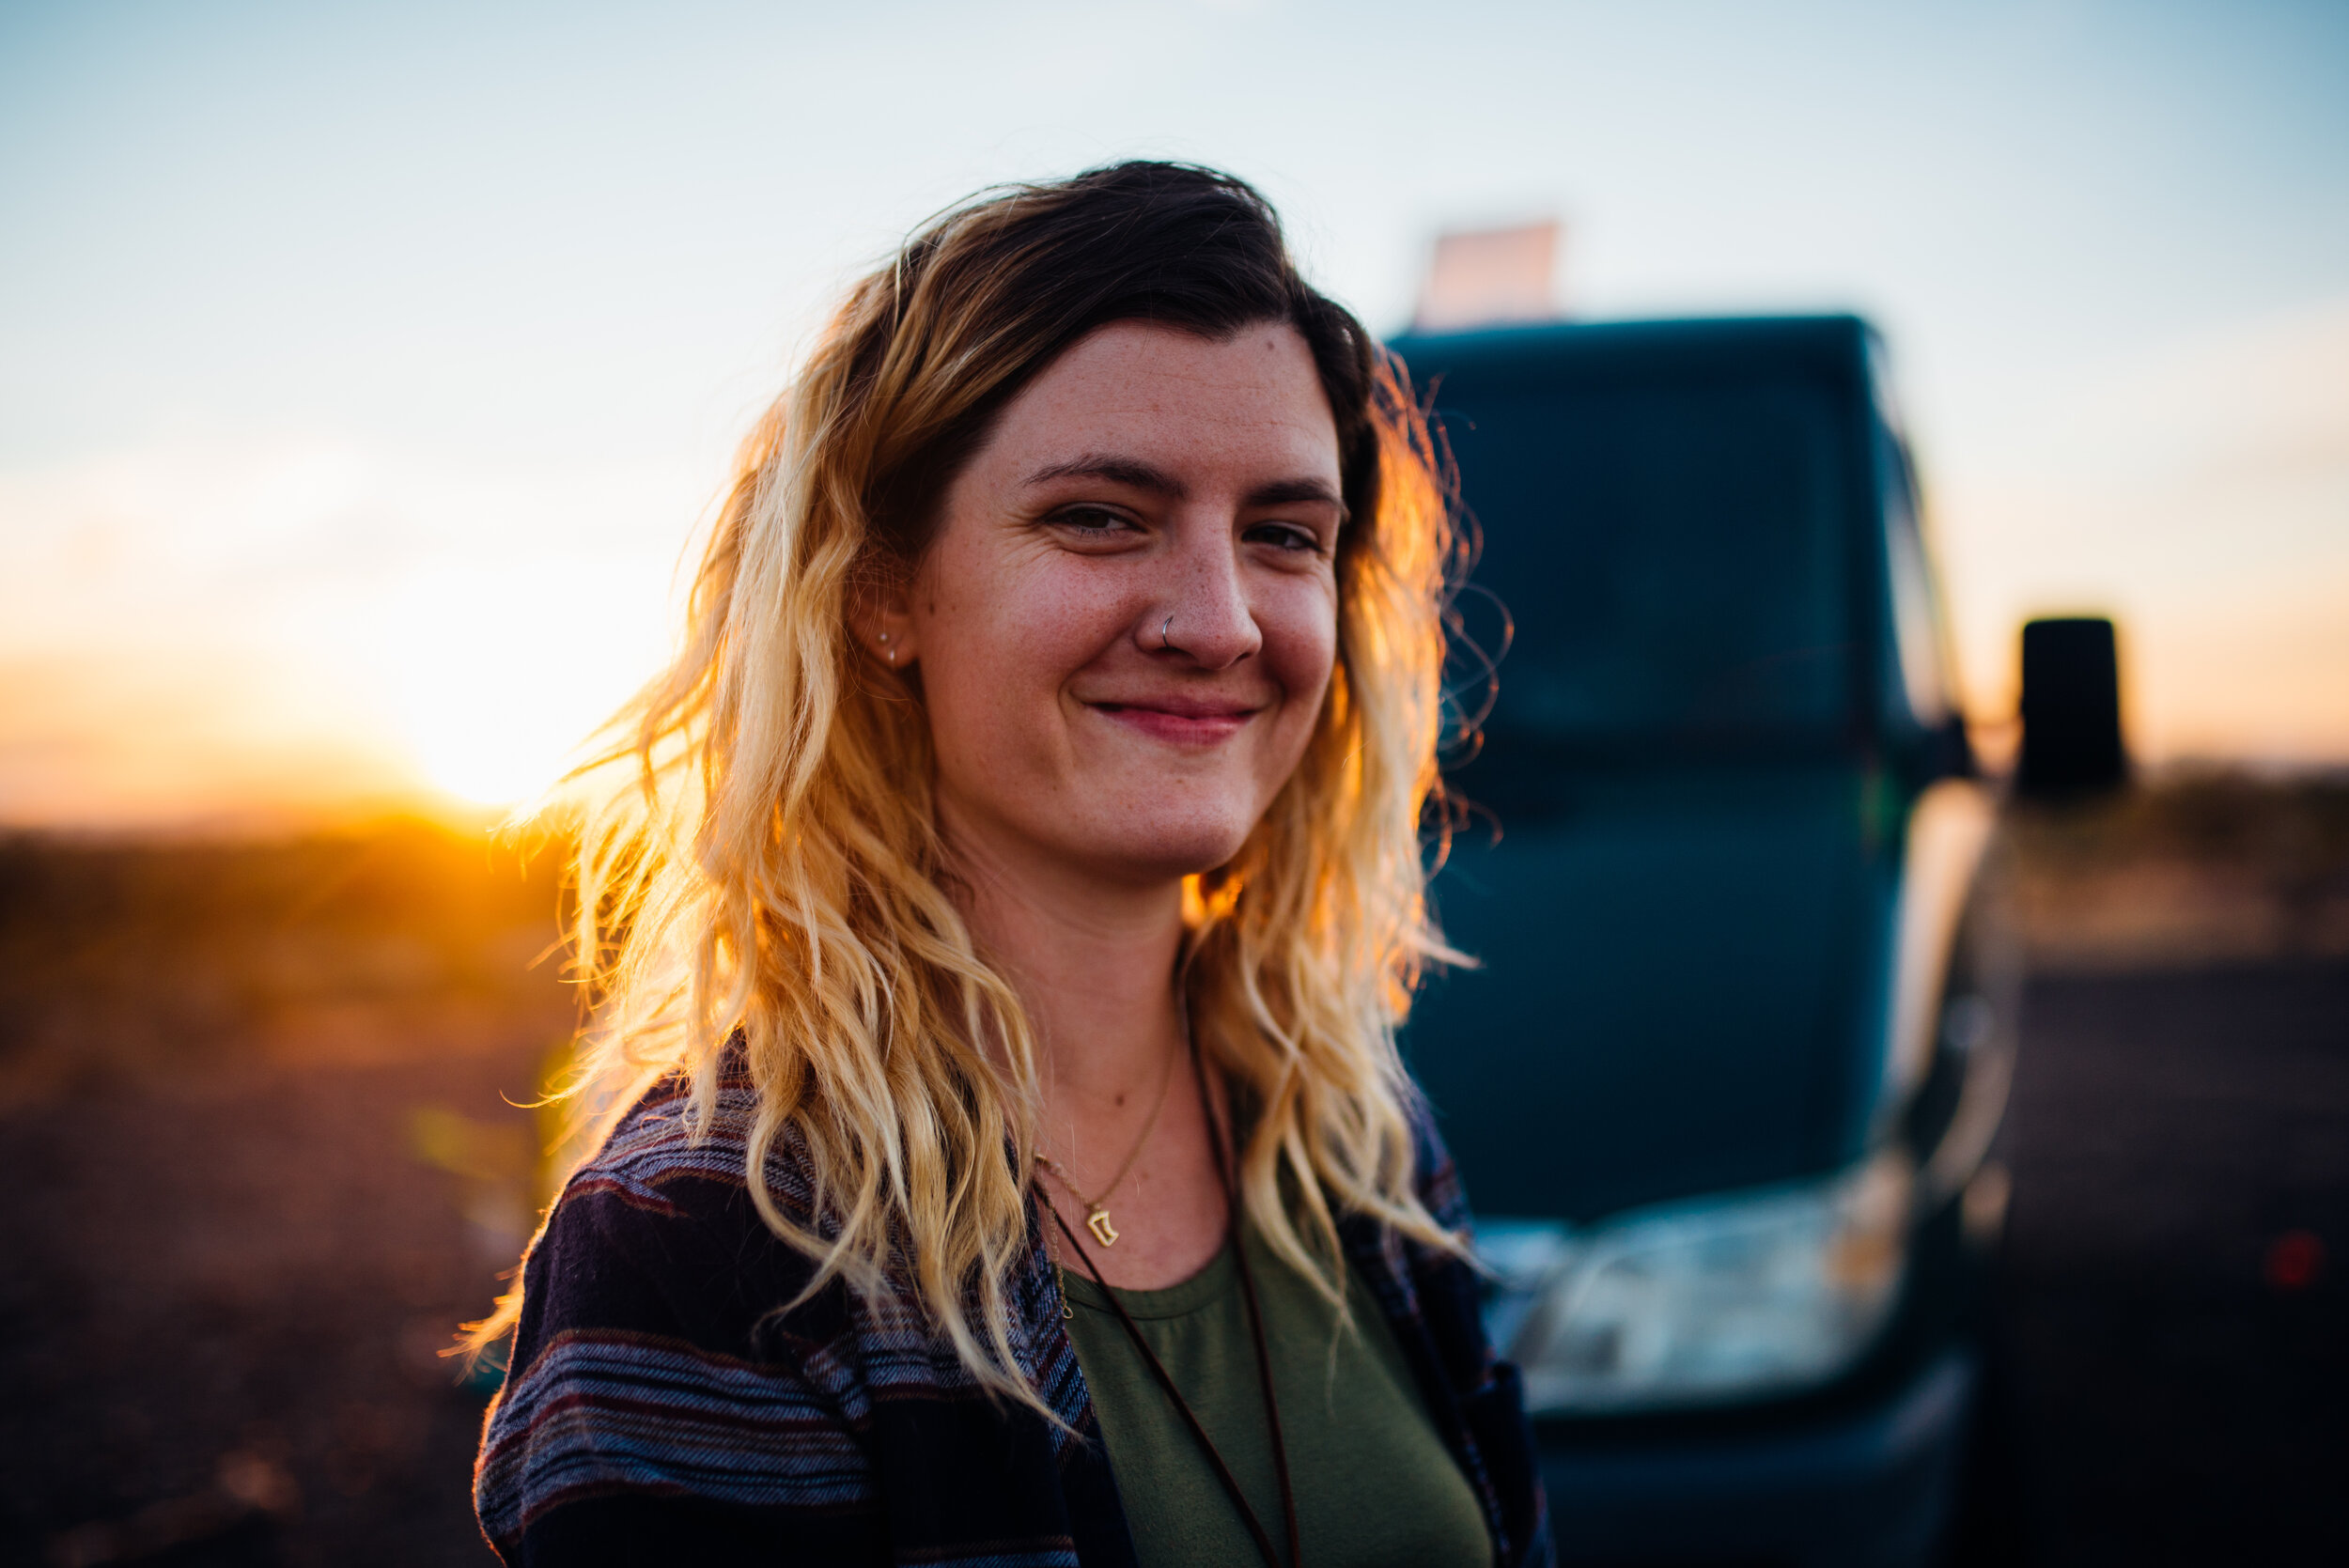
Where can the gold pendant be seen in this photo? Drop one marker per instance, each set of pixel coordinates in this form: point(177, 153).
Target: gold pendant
point(1099, 1223)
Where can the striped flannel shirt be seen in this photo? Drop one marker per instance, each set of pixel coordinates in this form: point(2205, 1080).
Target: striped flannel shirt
point(660, 1409)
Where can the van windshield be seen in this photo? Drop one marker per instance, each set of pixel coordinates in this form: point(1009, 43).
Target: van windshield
point(1670, 553)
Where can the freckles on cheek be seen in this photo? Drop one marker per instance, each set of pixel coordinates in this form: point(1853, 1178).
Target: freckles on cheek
point(1010, 643)
point(1065, 617)
point(1304, 652)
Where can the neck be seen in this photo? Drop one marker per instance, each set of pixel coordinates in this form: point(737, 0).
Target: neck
point(1092, 959)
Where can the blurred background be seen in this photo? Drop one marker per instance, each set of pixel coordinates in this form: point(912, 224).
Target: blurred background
point(366, 371)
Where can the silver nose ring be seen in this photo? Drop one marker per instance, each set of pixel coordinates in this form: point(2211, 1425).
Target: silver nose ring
point(1163, 626)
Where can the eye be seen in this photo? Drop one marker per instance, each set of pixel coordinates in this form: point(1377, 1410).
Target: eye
point(1286, 537)
point(1093, 523)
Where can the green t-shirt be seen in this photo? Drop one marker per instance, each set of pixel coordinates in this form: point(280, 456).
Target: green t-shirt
point(1375, 1484)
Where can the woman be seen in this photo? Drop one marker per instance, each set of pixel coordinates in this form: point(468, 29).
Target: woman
point(1001, 949)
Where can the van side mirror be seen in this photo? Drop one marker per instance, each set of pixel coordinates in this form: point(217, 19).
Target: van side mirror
point(2071, 709)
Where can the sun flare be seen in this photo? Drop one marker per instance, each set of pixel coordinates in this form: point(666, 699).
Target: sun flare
point(489, 709)
point(487, 760)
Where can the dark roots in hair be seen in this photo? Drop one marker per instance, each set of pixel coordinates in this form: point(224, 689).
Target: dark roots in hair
point(1041, 266)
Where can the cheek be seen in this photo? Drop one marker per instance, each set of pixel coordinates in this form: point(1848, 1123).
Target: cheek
point(1300, 646)
point(998, 643)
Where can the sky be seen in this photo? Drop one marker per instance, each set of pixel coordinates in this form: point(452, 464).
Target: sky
point(365, 370)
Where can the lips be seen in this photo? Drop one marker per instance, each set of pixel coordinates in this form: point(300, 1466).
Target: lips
point(1184, 720)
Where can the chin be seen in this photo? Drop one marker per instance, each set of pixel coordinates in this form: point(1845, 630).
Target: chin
point(1165, 847)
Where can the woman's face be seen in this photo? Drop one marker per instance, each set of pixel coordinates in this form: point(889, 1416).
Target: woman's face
point(1126, 619)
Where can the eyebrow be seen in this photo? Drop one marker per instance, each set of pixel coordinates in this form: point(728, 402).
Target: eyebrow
point(1282, 493)
point(1131, 472)
point(1136, 474)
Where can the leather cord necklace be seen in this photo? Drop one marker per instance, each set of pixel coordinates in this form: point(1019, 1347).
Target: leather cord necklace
point(1227, 1174)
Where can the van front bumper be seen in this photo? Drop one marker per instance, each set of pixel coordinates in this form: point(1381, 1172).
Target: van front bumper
point(1871, 1489)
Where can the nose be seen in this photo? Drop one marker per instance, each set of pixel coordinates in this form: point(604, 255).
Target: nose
point(1202, 616)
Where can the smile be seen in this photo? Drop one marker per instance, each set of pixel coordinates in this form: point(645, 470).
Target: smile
point(1183, 723)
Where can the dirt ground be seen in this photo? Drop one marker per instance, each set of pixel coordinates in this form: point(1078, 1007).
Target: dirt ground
point(259, 1155)
point(257, 1159)
point(223, 1313)
point(2176, 1271)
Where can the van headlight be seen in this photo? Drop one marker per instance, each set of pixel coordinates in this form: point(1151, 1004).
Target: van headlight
point(1723, 1298)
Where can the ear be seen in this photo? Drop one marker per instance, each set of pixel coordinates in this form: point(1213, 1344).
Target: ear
point(883, 618)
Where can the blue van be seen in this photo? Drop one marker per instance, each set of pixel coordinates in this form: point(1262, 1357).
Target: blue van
point(1726, 1083)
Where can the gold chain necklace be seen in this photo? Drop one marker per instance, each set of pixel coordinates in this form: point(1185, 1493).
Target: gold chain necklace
point(1097, 1216)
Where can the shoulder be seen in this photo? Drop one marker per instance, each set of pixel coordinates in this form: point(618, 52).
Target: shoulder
point(659, 1225)
point(1430, 1286)
point(650, 1359)
point(1443, 1302)
point(1433, 1294)
point(1434, 1177)
point(657, 1230)
point(663, 1160)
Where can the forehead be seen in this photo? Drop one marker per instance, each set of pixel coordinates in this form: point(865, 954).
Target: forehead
point(1252, 403)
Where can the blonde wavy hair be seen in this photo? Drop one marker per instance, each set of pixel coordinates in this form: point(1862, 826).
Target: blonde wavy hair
point(766, 879)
